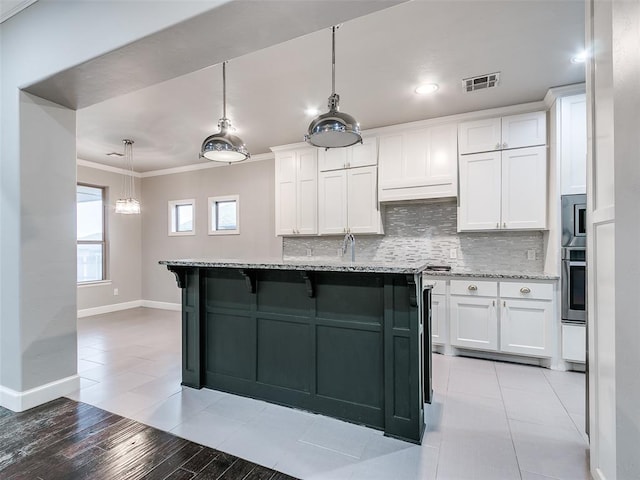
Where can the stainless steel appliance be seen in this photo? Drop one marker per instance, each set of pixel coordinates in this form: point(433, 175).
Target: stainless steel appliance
point(574, 221)
point(574, 285)
point(574, 272)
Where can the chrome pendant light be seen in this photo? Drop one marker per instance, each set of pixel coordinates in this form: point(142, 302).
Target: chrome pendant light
point(223, 146)
point(333, 129)
point(128, 204)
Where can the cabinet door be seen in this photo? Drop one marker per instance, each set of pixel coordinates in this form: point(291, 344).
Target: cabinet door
point(307, 192)
point(474, 322)
point(286, 166)
point(332, 202)
point(573, 144)
point(574, 343)
point(526, 130)
point(525, 327)
point(332, 159)
point(479, 192)
point(442, 156)
point(438, 319)
point(363, 213)
point(479, 136)
point(363, 154)
point(524, 188)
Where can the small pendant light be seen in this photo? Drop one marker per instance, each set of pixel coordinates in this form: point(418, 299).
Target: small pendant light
point(222, 146)
point(127, 204)
point(333, 129)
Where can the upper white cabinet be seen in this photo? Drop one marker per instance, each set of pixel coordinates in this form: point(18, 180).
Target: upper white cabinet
point(573, 144)
point(418, 163)
point(359, 155)
point(503, 190)
point(503, 185)
point(514, 131)
point(296, 191)
point(348, 201)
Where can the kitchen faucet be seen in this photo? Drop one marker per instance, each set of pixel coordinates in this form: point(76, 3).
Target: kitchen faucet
point(349, 238)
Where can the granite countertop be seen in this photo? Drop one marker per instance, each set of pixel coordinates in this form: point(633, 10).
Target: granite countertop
point(325, 265)
point(493, 275)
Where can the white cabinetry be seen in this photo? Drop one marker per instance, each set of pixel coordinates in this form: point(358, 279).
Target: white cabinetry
point(347, 201)
point(418, 163)
point(503, 190)
point(573, 144)
point(526, 318)
point(474, 318)
point(574, 346)
point(363, 154)
point(439, 321)
point(296, 191)
point(514, 131)
point(512, 317)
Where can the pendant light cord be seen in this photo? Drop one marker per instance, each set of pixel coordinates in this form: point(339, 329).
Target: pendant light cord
point(224, 89)
point(333, 60)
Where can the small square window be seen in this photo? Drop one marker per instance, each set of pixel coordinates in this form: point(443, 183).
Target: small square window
point(182, 219)
point(223, 215)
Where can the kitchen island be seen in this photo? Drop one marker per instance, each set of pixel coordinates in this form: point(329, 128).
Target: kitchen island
point(346, 339)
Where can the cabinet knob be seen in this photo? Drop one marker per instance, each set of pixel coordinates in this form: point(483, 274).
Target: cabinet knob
point(472, 288)
point(504, 225)
point(504, 145)
point(525, 290)
point(493, 303)
point(497, 146)
point(504, 303)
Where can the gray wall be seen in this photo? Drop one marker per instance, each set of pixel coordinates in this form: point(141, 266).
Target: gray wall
point(124, 243)
point(427, 231)
point(254, 182)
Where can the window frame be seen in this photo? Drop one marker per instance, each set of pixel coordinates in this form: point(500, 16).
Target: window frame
point(212, 202)
point(172, 217)
point(105, 234)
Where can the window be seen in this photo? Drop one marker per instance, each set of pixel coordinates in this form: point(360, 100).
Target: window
point(91, 238)
point(182, 219)
point(223, 215)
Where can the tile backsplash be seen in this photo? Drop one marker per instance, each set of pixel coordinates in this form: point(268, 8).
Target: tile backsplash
point(427, 231)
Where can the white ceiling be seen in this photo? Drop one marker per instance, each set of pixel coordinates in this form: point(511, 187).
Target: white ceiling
point(380, 59)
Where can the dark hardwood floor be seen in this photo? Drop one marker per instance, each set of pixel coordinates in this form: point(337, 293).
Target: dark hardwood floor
point(64, 439)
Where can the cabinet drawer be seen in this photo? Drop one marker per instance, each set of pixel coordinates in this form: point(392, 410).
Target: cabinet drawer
point(541, 291)
point(439, 286)
point(473, 287)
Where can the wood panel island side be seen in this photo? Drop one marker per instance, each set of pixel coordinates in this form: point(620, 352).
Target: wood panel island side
point(348, 340)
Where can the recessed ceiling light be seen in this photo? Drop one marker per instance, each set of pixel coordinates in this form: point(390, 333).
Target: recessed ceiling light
point(580, 57)
point(312, 112)
point(115, 154)
point(426, 88)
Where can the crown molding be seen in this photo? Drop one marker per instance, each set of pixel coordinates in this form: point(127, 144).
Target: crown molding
point(6, 14)
point(107, 168)
point(204, 166)
point(557, 92)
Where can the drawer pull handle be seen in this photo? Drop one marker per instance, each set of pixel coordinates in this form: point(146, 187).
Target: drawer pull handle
point(472, 288)
point(525, 290)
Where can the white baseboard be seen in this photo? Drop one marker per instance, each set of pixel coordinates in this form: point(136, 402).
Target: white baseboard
point(162, 305)
point(21, 401)
point(599, 475)
point(87, 312)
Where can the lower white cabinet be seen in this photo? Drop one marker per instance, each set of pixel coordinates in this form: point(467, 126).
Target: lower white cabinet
point(574, 347)
point(512, 317)
point(438, 319)
point(474, 318)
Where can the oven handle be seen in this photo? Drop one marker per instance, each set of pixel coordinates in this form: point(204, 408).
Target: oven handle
point(576, 264)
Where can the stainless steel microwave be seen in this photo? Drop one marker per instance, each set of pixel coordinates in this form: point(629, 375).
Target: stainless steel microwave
point(574, 220)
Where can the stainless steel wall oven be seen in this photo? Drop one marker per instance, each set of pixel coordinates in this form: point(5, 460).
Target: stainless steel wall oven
point(574, 271)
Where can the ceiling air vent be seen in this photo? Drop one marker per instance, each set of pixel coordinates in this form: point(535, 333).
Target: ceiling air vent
point(481, 82)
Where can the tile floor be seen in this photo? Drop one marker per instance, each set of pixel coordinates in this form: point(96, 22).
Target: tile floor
point(490, 420)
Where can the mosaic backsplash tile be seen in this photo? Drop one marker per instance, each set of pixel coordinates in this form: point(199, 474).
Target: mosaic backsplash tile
point(427, 231)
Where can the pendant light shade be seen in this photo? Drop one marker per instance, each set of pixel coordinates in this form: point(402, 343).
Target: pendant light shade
point(127, 204)
point(333, 129)
point(223, 146)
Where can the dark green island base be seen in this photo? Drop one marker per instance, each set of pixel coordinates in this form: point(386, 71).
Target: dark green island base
point(347, 344)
